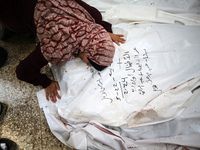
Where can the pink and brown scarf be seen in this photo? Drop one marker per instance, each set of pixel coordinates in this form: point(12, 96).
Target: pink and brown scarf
point(65, 28)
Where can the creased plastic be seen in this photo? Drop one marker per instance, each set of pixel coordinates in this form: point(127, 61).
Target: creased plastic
point(148, 98)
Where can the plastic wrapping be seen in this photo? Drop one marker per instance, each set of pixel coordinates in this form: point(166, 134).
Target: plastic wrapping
point(148, 82)
point(148, 98)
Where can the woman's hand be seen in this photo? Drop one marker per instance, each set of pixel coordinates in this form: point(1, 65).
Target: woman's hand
point(117, 38)
point(52, 91)
point(84, 58)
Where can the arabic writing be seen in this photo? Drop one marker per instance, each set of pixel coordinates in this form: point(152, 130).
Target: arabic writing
point(137, 75)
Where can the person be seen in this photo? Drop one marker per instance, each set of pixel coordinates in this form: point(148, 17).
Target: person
point(65, 29)
point(6, 144)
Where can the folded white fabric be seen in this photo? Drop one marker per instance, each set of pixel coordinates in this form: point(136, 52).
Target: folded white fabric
point(136, 13)
point(150, 80)
point(148, 97)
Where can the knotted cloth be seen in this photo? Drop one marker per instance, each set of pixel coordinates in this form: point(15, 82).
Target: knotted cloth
point(65, 28)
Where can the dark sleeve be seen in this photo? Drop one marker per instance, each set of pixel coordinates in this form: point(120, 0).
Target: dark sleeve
point(17, 15)
point(96, 15)
point(28, 69)
point(107, 26)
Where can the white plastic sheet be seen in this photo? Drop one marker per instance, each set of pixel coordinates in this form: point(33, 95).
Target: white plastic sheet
point(149, 81)
point(153, 79)
point(171, 6)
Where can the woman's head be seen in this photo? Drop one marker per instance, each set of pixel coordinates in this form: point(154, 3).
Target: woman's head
point(91, 63)
point(99, 48)
point(68, 30)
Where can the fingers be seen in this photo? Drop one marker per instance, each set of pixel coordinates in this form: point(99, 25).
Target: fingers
point(117, 38)
point(120, 38)
point(50, 96)
point(56, 94)
point(57, 86)
point(117, 42)
point(47, 95)
point(52, 92)
point(120, 35)
point(53, 98)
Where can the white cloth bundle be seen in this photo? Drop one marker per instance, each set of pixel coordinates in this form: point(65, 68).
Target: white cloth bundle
point(154, 78)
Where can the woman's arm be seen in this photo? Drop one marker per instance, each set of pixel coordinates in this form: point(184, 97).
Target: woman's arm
point(28, 70)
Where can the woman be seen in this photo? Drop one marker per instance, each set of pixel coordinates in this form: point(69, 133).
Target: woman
point(66, 29)
point(4, 142)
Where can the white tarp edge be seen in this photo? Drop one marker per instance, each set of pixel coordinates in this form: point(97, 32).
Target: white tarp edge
point(153, 79)
point(136, 13)
point(184, 130)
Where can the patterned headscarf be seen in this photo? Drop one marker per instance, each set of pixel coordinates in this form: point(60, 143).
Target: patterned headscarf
point(65, 28)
